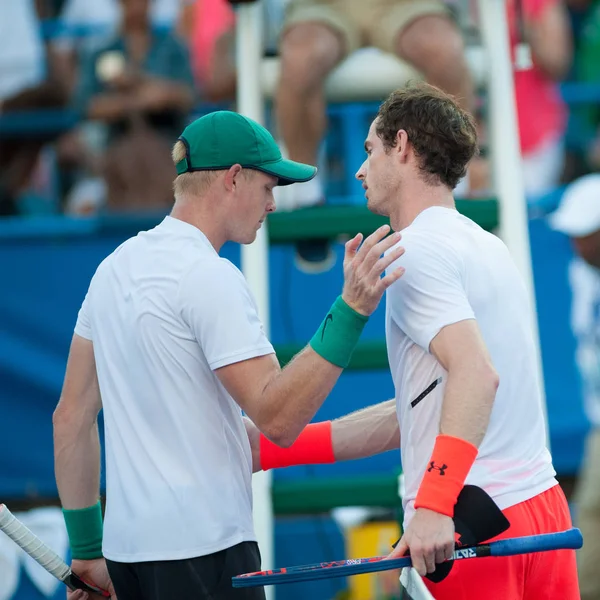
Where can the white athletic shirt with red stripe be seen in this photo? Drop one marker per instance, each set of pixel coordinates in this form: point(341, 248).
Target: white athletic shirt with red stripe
point(455, 271)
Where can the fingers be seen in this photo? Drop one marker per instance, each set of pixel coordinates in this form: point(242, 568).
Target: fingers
point(372, 240)
point(417, 558)
point(77, 595)
point(392, 277)
point(374, 246)
point(429, 558)
point(400, 550)
point(425, 559)
point(372, 258)
point(385, 261)
point(449, 551)
point(352, 246)
point(440, 555)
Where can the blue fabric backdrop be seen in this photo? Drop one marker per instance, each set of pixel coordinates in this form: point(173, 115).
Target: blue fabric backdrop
point(43, 279)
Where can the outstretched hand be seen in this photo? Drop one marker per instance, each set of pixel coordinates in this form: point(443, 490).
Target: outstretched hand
point(363, 266)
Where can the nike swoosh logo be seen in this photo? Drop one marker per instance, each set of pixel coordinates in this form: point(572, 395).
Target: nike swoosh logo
point(328, 318)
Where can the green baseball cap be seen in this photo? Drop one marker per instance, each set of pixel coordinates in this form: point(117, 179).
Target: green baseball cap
point(224, 138)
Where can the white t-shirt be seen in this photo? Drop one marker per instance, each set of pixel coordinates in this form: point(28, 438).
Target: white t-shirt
point(585, 323)
point(164, 311)
point(455, 271)
point(22, 57)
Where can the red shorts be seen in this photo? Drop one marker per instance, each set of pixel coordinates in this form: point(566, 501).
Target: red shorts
point(539, 576)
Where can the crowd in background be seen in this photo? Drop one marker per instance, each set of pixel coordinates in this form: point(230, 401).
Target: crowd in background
point(135, 70)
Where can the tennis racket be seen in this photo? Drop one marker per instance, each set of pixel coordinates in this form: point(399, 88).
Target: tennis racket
point(570, 539)
point(41, 553)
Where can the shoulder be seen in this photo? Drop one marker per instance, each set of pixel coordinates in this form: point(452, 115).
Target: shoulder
point(425, 248)
point(215, 275)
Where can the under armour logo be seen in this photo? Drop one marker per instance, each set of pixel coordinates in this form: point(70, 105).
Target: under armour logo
point(434, 467)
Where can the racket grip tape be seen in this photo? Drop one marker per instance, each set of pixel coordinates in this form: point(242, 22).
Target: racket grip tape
point(32, 545)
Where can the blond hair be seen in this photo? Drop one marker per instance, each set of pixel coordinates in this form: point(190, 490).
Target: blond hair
point(195, 183)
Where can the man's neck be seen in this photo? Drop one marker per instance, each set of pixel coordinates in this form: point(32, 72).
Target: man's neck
point(195, 214)
point(418, 196)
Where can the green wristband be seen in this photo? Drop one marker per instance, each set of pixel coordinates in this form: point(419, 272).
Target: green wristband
point(338, 334)
point(84, 526)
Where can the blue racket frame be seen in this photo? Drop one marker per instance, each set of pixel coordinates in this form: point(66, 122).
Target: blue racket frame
point(570, 539)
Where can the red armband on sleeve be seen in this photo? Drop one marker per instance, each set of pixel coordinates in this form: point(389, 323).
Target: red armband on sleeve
point(313, 446)
point(445, 475)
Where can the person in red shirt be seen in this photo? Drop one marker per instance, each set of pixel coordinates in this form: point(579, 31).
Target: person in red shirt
point(541, 111)
point(208, 26)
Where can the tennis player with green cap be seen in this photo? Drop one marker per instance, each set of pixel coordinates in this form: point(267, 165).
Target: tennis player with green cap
point(169, 344)
point(223, 138)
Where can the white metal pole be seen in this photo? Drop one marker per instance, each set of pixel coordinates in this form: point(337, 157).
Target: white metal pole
point(506, 153)
point(255, 257)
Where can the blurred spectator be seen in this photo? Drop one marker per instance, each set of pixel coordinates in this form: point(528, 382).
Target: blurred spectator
point(83, 28)
point(28, 81)
point(140, 85)
point(584, 126)
point(86, 26)
point(318, 34)
point(209, 27)
point(579, 217)
point(540, 110)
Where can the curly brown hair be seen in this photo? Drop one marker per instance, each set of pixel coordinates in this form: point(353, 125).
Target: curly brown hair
point(442, 134)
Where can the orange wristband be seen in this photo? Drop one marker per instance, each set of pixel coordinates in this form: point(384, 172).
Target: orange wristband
point(445, 475)
point(313, 446)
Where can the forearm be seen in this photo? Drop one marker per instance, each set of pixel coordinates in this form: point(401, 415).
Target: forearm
point(468, 401)
point(366, 432)
point(253, 434)
point(550, 58)
point(294, 395)
point(109, 107)
point(178, 97)
point(551, 42)
point(77, 462)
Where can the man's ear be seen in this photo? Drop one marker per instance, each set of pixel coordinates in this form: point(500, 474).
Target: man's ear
point(232, 177)
point(402, 145)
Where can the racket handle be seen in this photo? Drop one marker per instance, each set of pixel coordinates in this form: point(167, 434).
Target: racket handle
point(570, 539)
point(31, 544)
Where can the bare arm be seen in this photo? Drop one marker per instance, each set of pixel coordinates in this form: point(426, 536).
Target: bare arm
point(472, 381)
point(366, 432)
point(222, 76)
point(110, 106)
point(153, 95)
point(156, 94)
point(75, 420)
point(281, 402)
point(551, 41)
